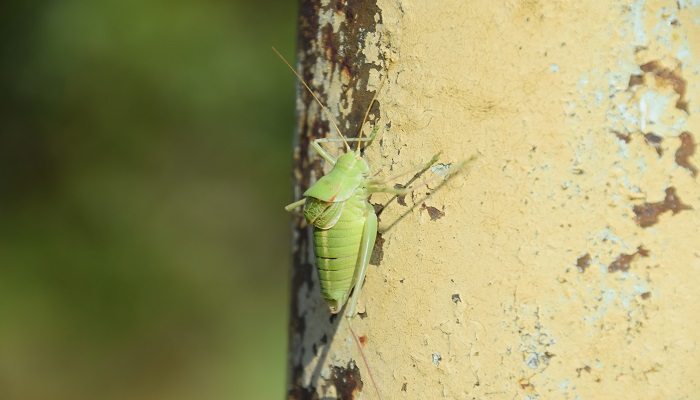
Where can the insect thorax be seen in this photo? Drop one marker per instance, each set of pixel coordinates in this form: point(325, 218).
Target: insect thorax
point(352, 161)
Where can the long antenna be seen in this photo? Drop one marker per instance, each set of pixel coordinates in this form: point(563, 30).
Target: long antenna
point(362, 353)
point(374, 98)
point(347, 146)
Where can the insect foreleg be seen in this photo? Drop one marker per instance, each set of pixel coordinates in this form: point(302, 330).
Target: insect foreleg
point(369, 234)
point(295, 205)
point(322, 152)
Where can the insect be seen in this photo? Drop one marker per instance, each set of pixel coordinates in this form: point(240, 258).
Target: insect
point(344, 222)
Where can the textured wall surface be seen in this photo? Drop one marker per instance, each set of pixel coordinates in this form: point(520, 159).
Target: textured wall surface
point(564, 262)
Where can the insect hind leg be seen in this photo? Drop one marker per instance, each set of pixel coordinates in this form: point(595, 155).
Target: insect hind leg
point(419, 170)
point(369, 235)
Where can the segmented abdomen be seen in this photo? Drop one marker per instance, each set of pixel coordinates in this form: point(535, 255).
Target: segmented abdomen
point(337, 249)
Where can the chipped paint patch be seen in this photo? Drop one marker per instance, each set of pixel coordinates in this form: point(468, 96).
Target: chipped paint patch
point(436, 358)
point(433, 212)
point(647, 214)
point(347, 381)
point(685, 152)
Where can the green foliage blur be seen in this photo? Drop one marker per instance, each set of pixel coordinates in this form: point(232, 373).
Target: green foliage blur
point(145, 158)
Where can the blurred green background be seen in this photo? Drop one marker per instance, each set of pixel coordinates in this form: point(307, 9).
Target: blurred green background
point(145, 158)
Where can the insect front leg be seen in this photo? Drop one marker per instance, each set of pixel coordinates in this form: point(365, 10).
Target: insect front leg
point(295, 205)
point(322, 152)
point(369, 234)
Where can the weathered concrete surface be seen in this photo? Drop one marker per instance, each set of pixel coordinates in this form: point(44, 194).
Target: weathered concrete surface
point(565, 262)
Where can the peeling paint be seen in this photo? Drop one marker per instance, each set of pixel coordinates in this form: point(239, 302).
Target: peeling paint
point(436, 358)
point(332, 62)
point(622, 262)
point(647, 214)
point(655, 142)
point(347, 381)
point(685, 152)
point(378, 250)
point(433, 212)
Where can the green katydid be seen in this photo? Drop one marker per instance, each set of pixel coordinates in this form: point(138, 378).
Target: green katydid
point(344, 222)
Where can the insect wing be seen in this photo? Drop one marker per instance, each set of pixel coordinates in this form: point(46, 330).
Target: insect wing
point(322, 214)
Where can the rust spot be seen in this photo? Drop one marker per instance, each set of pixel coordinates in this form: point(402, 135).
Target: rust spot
point(363, 339)
point(434, 213)
point(647, 214)
point(622, 263)
point(586, 368)
point(583, 262)
point(655, 142)
point(526, 385)
point(669, 77)
point(330, 46)
point(635, 80)
point(377, 251)
point(685, 151)
point(350, 16)
point(642, 251)
point(622, 136)
point(347, 381)
point(646, 295)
